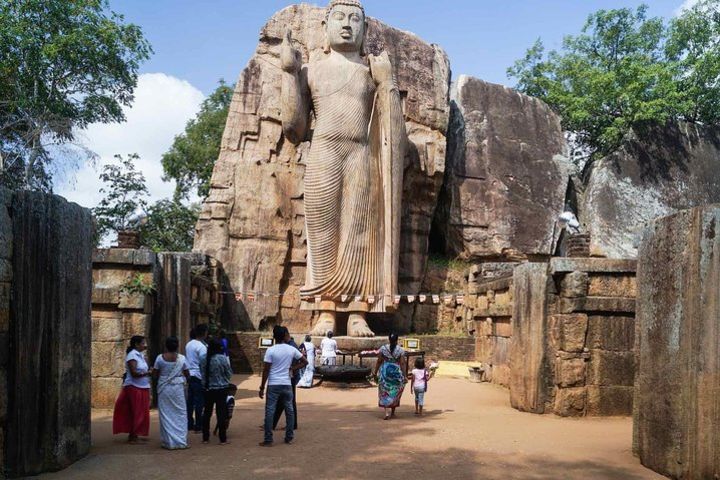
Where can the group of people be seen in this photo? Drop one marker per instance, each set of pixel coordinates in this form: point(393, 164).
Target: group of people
point(207, 373)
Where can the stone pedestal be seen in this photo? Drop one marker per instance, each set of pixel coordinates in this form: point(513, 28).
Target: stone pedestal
point(678, 380)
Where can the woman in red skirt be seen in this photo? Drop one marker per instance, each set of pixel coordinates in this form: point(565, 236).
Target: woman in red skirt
point(132, 408)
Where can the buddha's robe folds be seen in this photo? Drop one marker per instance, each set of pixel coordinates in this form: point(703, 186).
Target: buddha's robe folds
point(353, 191)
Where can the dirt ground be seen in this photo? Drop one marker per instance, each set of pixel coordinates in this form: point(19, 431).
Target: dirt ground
point(469, 432)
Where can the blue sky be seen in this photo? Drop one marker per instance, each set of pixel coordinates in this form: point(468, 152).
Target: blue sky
point(202, 41)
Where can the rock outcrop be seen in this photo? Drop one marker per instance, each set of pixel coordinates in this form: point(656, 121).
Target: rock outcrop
point(656, 172)
point(507, 174)
point(677, 383)
point(253, 219)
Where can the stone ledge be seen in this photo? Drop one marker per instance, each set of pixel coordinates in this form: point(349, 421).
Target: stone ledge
point(597, 304)
point(124, 256)
point(592, 265)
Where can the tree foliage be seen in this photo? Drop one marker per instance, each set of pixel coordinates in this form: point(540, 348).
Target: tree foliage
point(63, 66)
point(169, 226)
point(625, 70)
point(192, 156)
point(125, 196)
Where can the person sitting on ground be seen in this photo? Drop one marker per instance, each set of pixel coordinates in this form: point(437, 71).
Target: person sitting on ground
point(132, 408)
point(419, 383)
point(195, 349)
point(308, 373)
point(276, 374)
point(294, 378)
point(328, 349)
point(171, 372)
point(217, 374)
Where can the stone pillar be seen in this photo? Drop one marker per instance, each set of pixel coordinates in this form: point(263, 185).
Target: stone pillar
point(678, 383)
point(6, 243)
point(530, 370)
point(48, 412)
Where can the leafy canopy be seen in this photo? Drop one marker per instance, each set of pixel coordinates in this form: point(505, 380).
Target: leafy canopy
point(63, 65)
point(625, 70)
point(192, 156)
point(165, 226)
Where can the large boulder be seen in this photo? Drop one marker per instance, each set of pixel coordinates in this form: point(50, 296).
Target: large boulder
point(253, 220)
point(658, 171)
point(507, 174)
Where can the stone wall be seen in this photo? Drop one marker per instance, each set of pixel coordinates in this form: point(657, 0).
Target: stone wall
point(45, 359)
point(185, 291)
point(676, 414)
point(117, 315)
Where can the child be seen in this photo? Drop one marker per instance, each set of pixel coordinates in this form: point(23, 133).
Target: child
point(419, 377)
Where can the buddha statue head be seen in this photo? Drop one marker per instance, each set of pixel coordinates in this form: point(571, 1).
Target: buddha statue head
point(345, 26)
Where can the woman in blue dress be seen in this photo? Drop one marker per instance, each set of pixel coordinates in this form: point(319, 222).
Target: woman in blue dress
point(391, 377)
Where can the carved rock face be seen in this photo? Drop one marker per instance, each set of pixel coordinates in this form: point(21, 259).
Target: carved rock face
point(345, 28)
point(253, 220)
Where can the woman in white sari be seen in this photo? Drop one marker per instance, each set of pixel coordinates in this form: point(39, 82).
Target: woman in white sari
point(171, 371)
point(308, 349)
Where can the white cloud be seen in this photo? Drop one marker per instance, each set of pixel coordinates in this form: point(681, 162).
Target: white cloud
point(163, 105)
point(687, 4)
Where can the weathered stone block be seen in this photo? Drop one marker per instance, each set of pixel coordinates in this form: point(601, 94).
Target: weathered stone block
point(574, 285)
point(107, 328)
point(612, 285)
point(611, 368)
point(609, 400)
point(678, 382)
point(106, 296)
point(105, 391)
point(570, 372)
point(132, 301)
point(570, 402)
point(122, 256)
point(597, 304)
point(591, 265)
point(567, 332)
point(135, 324)
point(615, 333)
point(108, 359)
point(502, 327)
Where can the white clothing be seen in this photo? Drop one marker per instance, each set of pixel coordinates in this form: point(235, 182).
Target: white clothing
point(281, 357)
point(328, 347)
point(419, 376)
point(194, 350)
point(172, 408)
point(306, 381)
point(142, 367)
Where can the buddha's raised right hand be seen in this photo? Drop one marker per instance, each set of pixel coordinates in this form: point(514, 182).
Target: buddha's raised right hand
point(290, 58)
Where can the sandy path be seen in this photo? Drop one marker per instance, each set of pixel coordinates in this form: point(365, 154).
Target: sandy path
point(469, 432)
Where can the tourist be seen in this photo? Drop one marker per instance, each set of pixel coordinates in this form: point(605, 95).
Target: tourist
point(216, 371)
point(392, 376)
point(276, 374)
point(308, 373)
point(328, 349)
point(419, 384)
point(295, 379)
point(132, 408)
point(195, 349)
point(171, 371)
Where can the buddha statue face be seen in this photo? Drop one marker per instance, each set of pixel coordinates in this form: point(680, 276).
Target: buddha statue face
point(345, 27)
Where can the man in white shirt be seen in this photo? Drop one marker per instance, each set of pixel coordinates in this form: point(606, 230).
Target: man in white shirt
point(195, 349)
point(277, 374)
point(328, 349)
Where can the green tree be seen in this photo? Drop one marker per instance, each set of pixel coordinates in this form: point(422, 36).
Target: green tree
point(611, 78)
point(192, 156)
point(63, 66)
point(125, 196)
point(694, 43)
point(169, 226)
